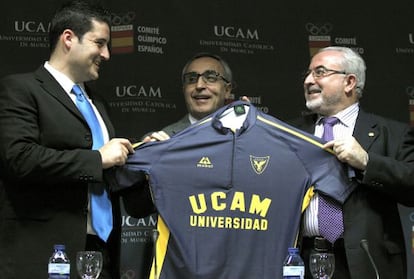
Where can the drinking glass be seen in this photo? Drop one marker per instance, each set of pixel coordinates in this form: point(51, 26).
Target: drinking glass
point(89, 264)
point(322, 265)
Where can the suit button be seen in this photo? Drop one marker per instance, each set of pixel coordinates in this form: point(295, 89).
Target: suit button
point(376, 183)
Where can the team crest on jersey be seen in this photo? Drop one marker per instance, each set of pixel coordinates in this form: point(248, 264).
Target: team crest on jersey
point(204, 163)
point(259, 164)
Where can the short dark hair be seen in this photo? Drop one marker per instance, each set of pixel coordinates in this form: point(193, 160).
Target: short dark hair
point(77, 16)
point(228, 75)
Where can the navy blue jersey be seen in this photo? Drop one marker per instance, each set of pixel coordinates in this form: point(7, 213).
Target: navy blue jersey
point(230, 203)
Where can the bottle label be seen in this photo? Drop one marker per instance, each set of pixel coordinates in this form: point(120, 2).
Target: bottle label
point(59, 271)
point(293, 272)
point(59, 276)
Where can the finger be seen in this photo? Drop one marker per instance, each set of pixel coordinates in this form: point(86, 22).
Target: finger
point(155, 136)
point(125, 151)
point(126, 145)
point(329, 144)
point(130, 148)
point(147, 139)
point(245, 98)
point(160, 135)
point(163, 135)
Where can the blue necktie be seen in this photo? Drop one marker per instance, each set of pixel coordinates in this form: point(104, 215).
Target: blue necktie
point(330, 219)
point(101, 208)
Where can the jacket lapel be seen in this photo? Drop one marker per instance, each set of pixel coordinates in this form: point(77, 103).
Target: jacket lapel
point(52, 87)
point(366, 129)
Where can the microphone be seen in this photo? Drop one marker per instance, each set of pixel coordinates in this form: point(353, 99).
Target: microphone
point(364, 246)
point(155, 234)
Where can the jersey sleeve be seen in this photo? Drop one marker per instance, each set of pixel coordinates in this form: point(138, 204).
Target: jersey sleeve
point(138, 166)
point(328, 175)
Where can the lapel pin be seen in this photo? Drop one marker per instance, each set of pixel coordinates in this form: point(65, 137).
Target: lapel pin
point(371, 134)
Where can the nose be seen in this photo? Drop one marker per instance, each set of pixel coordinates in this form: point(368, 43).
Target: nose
point(105, 54)
point(200, 82)
point(309, 78)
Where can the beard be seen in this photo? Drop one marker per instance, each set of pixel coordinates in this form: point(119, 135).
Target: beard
point(324, 105)
point(314, 105)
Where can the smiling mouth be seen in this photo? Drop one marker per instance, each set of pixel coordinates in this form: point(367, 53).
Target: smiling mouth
point(201, 97)
point(313, 91)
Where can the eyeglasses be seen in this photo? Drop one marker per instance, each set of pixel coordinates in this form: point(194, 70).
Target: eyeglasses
point(208, 76)
point(321, 72)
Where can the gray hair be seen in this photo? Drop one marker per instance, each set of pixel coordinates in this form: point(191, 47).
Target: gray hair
point(352, 63)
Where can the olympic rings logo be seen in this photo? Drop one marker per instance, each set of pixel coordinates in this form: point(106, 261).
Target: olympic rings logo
point(318, 29)
point(125, 19)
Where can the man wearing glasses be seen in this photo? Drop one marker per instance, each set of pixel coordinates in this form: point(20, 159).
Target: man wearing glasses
point(207, 83)
point(381, 152)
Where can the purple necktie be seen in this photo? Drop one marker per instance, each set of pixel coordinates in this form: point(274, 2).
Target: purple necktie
point(330, 219)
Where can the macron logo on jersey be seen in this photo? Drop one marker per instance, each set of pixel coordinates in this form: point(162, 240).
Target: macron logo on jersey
point(205, 163)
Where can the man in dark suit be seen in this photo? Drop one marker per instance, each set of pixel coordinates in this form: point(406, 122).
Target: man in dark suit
point(46, 155)
point(380, 150)
point(207, 84)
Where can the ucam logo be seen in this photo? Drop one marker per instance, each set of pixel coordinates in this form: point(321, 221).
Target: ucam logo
point(128, 221)
point(235, 32)
point(137, 91)
point(31, 26)
point(239, 201)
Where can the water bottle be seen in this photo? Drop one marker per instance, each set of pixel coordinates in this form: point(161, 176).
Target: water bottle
point(59, 264)
point(293, 266)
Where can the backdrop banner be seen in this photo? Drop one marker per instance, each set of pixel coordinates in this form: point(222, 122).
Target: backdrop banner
point(267, 44)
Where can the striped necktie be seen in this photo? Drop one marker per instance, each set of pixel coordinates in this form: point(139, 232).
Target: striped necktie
point(101, 208)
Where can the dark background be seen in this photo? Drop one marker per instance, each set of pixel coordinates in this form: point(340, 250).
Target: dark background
point(268, 45)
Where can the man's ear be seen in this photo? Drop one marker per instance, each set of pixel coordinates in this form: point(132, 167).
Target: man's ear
point(68, 37)
point(228, 88)
point(351, 83)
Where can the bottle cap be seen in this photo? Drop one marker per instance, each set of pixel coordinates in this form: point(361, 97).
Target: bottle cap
point(293, 250)
point(59, 247)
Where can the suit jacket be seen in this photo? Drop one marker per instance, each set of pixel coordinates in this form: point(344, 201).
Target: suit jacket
point(46, 164)
point(178, 126)
point(371, 212)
